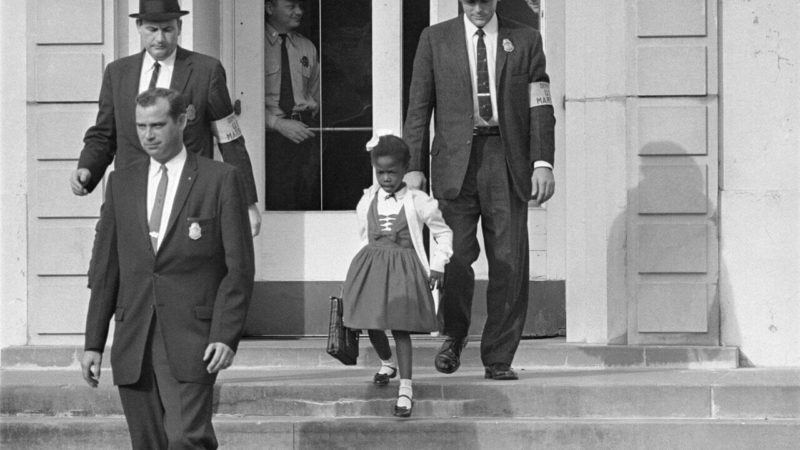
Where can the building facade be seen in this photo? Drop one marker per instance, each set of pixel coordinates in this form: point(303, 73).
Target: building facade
point(676, 214)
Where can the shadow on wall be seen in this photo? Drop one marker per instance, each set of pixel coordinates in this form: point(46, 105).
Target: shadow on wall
point(663, 268)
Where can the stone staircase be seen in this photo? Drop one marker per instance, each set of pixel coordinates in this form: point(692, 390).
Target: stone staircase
point(288, 394)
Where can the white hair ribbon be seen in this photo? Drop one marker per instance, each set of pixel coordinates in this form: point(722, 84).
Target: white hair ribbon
point(372, 143)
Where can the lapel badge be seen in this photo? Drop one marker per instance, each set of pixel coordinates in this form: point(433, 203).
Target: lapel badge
point(195, 232)
point(508, 46)
point(304, 61)
point(191, 113)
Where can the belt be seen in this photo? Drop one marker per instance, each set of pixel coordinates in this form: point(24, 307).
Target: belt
point(486, 131)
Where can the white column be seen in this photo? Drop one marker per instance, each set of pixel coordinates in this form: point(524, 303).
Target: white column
point(13, 175)
point(595, 179)
point(442, 10)
point(387, 57)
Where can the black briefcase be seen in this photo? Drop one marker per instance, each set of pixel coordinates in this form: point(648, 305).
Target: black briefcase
point(342, 341)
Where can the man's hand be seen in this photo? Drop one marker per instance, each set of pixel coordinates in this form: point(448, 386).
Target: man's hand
point(79, 179)
point(220, 355)
point(415, 180)
point(255, 219)
point(294, 130)
point(90, 366)
point(436, 279)
point(544, 185)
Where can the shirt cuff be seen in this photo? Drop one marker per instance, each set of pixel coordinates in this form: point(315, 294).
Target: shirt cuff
point(271, 121)
point(538, 164)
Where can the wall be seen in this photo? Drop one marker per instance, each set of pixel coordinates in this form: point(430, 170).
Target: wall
point(641, 175)
point(759, 191)
point(69, 42)
point(13, 185)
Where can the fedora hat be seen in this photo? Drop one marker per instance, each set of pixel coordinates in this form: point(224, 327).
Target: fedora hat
point(159, 10)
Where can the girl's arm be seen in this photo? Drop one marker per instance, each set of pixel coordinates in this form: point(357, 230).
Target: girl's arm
point(428, 209)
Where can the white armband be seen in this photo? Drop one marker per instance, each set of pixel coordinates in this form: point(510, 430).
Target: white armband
point(539, 94)
point(226, 129)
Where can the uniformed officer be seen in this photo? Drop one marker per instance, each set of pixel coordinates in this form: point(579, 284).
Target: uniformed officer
point(292, 104)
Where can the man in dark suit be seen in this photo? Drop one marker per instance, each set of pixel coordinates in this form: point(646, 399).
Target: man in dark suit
point(173, 264)
point(492, 152)
point(163, 64)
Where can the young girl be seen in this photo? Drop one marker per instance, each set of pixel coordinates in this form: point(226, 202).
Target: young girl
point(389, 282)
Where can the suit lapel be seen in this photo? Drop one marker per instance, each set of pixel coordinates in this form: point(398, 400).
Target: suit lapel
point(188, 177)
point(130, 85)
point(457, 46)
point(138, 189)
point(183, 69)
point(132, 77)
point(500, 55)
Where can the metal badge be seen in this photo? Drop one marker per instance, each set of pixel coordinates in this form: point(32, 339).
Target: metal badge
point(191, 113)
point(195, 232)
point(508, 46)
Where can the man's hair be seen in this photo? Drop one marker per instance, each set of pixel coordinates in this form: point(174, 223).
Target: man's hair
point(177, 104)
point(393, 146)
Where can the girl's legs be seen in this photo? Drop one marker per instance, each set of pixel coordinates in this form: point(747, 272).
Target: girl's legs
point(381, 345)
point(402, 341)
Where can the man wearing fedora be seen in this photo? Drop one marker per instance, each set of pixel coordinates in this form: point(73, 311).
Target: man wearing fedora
point(163, 64)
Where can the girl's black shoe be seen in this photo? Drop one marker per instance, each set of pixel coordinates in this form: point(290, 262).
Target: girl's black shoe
point(400, 411)
point(382, 379)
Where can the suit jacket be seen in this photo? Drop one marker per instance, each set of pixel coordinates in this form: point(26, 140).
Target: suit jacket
point(200, 78)
point(199, 288)
point(442, 82)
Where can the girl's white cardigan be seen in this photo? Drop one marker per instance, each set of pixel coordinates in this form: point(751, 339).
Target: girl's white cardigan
point(420, 208)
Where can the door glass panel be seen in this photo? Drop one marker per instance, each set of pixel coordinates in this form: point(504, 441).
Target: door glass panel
point(329, 170)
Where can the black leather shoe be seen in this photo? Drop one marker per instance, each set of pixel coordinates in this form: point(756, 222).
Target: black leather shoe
point(500, 372)
point(400, 411)
point(448, 360)
point(382, 379)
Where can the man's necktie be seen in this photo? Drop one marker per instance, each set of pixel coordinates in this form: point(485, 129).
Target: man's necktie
point(158, 208)
point(286, 100)
point(154, 78)
point(484, 95)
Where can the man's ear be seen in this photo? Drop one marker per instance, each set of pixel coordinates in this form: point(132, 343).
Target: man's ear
point(268, 6)
point(180, 26)
point(182, 120)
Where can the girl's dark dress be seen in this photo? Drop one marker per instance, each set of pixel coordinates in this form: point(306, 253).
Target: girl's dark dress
point(386, 286)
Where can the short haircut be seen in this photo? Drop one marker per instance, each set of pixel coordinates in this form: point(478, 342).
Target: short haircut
point(390, 145)
point(177, 104)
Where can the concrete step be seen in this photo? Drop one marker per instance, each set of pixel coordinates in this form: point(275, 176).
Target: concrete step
point(532, 354)
point(677, 394)
point(243, 433)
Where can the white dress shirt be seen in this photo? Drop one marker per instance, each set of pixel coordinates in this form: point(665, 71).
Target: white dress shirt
point(164, 75)
point(490, 40)
point(491, 30)
point(174, 170)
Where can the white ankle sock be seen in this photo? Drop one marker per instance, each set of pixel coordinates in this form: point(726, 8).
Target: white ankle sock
point(387, 367)
point(405, 389)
